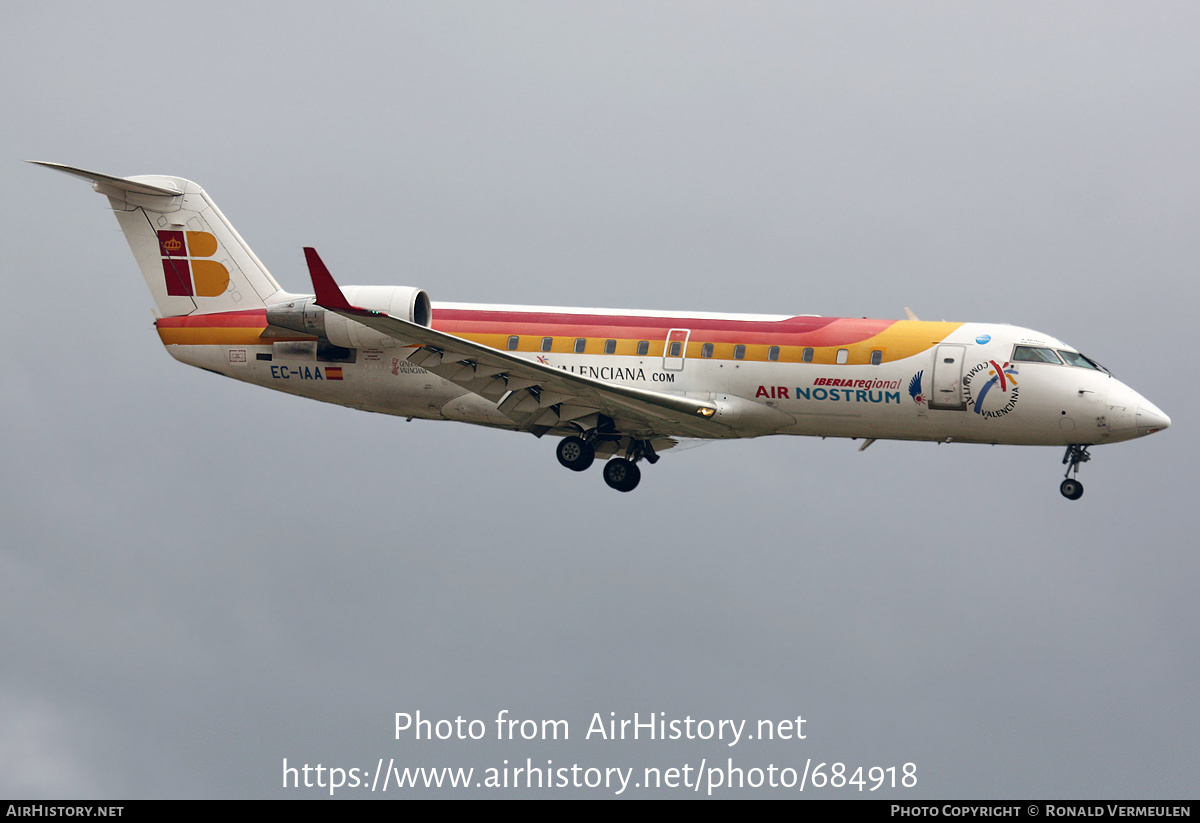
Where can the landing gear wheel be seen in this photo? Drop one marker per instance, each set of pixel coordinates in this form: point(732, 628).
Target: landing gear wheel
point(1071, 489)
point(1075, 457)
point(575, 453)
point(621, 474)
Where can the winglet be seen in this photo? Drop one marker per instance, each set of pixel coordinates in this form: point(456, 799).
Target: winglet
point(329, 294)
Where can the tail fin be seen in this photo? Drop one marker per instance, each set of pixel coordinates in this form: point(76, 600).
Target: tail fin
point(193, 260)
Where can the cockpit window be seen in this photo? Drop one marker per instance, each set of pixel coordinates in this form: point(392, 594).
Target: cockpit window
point(1035, 354)
point(1074, 358)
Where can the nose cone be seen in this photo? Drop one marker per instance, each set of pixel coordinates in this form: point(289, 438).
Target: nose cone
point(1131, 415)
point(1150, 419)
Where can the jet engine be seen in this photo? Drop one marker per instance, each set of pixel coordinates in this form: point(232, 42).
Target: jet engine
point(304, 315)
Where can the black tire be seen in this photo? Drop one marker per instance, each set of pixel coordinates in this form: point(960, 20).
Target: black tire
point(575, 453)
point(1071, 489)
point(621, 474)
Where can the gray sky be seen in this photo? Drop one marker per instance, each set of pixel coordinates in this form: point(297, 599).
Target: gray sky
point(200, 578)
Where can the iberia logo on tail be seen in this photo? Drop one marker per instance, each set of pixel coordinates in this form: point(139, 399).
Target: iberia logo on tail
point(187, 274)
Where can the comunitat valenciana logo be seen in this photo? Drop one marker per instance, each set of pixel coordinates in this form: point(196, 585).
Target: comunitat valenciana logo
point(185, 270)
point(991, 389)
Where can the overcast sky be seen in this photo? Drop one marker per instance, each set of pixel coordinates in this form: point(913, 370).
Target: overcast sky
point(200, 578)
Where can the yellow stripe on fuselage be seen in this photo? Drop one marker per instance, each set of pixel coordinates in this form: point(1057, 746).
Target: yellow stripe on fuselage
point(904, 338)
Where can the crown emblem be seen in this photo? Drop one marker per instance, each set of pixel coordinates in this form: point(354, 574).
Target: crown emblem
point(185, 271)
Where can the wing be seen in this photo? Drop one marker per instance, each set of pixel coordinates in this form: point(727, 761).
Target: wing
point(535, 396)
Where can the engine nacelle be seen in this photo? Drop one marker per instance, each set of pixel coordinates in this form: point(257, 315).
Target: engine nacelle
point(304, 315)
point(404, 302)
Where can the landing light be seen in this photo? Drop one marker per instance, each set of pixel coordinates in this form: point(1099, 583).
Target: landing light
point(706, 412)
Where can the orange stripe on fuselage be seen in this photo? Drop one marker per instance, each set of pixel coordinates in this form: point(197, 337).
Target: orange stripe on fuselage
point(235, 328)
point(897, 339)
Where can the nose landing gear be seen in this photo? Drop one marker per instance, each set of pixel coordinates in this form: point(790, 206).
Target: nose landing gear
point(1071, 488)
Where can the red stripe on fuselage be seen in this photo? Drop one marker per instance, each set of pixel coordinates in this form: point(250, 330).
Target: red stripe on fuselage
point(795, 331)
point(251, 318)
point(814, 331)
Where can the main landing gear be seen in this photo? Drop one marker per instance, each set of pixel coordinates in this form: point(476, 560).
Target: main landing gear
point(1071, 488)
point(578, 453)
point(621, 474)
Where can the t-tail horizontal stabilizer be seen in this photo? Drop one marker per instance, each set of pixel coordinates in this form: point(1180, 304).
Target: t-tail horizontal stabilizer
point(118, 183)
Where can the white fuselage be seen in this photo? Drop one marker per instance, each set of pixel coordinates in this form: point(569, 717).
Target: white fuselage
point(1037, 403)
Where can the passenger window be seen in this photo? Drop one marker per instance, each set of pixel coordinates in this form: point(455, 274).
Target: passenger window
point(580, 344)
point(739, 352)
point(807, 356)
point(843, 356)
point(876, 357)
point(512, 342)
point(676, 349)
point(773, 353)
point(547, 342)
point(643, 347)
point(706, 350)
point(610, 346)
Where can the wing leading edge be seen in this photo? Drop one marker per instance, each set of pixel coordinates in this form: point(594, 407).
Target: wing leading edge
point(535, 396)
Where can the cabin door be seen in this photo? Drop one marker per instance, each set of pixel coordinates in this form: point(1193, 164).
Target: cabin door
point(947, 379)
